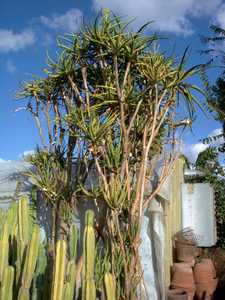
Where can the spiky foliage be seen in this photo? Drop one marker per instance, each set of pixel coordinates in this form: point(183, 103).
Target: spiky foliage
point(214, 42)
point(112, 102)
point(50, 176)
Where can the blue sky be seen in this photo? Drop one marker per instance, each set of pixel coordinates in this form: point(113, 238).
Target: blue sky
point(29, 28)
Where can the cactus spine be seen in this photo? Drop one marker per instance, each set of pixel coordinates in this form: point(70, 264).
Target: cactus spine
point(6, 291)
point(88, 289)
point(110, 286)
point(59, 272)
point(30, 264)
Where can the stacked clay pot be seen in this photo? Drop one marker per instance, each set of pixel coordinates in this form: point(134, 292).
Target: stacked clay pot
point(186, 251)
point(183, 278)
point(205, 279)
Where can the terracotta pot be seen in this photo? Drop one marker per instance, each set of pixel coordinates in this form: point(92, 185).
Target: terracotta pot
point(190, 290)
point(191, 295)
point(185, 252)
point(183, 278)
point(177, 294)
point(206, 289)
point(189, 264)
point(204, 271)
point(198, 252)
point(182, 275)
point(180, 265)
point(209, 263)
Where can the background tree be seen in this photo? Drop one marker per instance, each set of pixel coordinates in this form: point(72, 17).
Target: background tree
point(110, 105)
point(208, 162)
point(216, 92)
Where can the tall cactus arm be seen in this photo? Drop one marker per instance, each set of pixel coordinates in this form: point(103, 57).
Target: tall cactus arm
point(110, 286)
point(6, 291)
point(4, 249)
point(23, 222)
point(23, 225)
point(69, 287)
point(59, 273)
point(30, 264)
point(88, 288)
point(73, 242)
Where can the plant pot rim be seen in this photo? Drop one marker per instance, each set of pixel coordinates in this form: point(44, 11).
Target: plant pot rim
point(177, 291)
point(211, 281)
point(186, 243)
point(188, 288)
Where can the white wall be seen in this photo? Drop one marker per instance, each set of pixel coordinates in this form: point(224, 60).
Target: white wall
point(198, 212)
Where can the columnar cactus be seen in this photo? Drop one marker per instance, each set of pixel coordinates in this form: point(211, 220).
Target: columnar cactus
point(67, 291)
point(110, 286)
point(39, 280)
point(23, 222)
point(4, 249)
point(69, 287)
point(30, 261)
point(6, 290)
point(23, 235)
point(59, 272)
point(23, 226)
point(30, 264)
point(73, 242)
point(88, 284)
point(12, 218)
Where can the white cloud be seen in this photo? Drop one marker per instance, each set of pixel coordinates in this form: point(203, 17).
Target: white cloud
point(216, 131)
point(4, 161)
point(171, 16)
point(220, 16)
point(12, 41)
point(70, 21)
point(10, 67)
point(26, 153)
point(192, 150)
point(48, 40)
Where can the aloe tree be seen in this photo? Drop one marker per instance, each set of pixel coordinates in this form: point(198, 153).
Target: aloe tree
point(110, 102)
